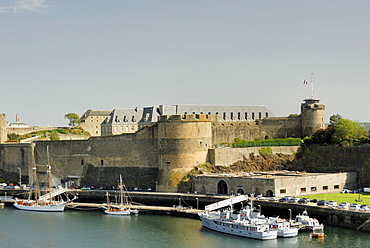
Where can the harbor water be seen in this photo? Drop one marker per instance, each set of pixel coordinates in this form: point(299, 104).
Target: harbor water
point(95, 229)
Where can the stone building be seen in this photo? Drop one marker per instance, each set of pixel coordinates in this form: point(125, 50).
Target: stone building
point(279, 183)
point(121, 121)
point(91, 120)
point(226, 113)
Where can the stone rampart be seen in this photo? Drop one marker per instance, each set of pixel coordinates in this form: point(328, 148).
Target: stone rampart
point(228, 156)
point(336, 159)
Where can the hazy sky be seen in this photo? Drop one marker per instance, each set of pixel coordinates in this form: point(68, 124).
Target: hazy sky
point(58, 57)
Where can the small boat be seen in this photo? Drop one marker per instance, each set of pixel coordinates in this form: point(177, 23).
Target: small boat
point(318, 234)
point(307, 222)
point(121, 209)
point(46, 202)
point(221, 221)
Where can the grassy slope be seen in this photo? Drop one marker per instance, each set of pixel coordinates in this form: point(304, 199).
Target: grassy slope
point(338, 197)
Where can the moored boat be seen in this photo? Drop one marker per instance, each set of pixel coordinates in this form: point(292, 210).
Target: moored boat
point(243, 228)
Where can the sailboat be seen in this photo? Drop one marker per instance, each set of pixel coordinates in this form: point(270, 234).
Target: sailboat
point(46, 202)
point(121, 209)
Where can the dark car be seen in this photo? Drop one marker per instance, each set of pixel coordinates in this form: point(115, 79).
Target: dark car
point(303, 201)
point(322, 203)
point(283, 199)
point(314, 200)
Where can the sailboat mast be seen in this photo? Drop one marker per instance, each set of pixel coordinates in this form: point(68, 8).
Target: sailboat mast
point(34, 170)
point(121, 189)
point(49, 173)
point(311, 82)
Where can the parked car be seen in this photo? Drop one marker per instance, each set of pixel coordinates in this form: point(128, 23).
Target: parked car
point(260, 198)
point(303, 201)
point(354, 206)
point(293, 200)
point(273, 199)
point(283, 199)
point(345, 191)
point(364, 207)
point(314, 200)
point(332, 204)
point(344, 205)
point(322, 203)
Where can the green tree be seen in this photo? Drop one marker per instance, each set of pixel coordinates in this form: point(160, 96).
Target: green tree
point(73, 118)
point(334, 119)
point(348, 131)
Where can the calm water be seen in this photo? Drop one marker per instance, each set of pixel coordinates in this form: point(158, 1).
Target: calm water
point(95, 229)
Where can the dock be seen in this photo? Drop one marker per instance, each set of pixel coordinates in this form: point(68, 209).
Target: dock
point(161, 210)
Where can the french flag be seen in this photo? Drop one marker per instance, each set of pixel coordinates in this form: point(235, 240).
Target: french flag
point(305, 82)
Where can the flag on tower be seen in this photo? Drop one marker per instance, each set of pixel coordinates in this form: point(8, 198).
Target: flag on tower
point(305, 82)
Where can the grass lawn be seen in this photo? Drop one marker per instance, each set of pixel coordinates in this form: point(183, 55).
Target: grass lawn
point(340, 197)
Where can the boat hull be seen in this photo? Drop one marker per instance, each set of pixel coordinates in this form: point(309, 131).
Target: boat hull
point(229, 229)
point(118, 212)
point(59, 207)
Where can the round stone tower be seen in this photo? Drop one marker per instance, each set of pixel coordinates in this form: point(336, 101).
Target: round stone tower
point(312, 112)
point(183, 142)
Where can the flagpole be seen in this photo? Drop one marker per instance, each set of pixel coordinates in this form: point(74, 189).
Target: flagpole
point(311, 82)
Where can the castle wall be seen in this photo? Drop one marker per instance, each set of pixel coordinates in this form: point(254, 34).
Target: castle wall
point(14, 156)
point(228, 131)
point(281, 127)
point(228, 156)
point(99, 161)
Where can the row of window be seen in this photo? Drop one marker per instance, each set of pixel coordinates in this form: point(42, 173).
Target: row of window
point(119, 128)
point(303, 190)
point(125, 119)
point(238, 115)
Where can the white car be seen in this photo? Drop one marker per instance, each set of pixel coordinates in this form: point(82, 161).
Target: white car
point(355, 206)
point(332, 204)
point(344, 205)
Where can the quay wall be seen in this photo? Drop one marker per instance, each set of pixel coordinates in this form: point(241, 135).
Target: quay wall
point(328, 216)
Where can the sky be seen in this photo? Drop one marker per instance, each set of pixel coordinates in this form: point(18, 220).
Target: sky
point(59, 57)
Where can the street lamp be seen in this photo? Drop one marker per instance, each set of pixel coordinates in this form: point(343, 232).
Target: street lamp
point(156, 185)
point(179, 202)
point(197, 202)
point(290, 214)
point(20, 176)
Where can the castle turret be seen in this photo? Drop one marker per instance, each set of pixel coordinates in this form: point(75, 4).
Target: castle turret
point(3, 131)
point(183, 142)
point(312, 112)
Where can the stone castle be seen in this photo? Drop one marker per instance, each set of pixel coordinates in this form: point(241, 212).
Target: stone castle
point(156, 156)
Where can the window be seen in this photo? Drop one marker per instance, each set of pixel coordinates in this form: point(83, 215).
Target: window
point(313, 189)
point(303, 189)
point(82, 162)
point(324, 187)
point(259, 115)
point(336, 186)
point(239, 116)
point(133, 128)
point(267, 114)
point(126, 128)
point(224, 116)
point(283, 191)
point(246, 115)
point(231, 116)
point(252, 115)
point(102, 162)
point(115, 129)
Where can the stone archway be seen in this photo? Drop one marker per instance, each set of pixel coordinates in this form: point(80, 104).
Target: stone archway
point(222, 187)
point(269, 193)
point(240, 192)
